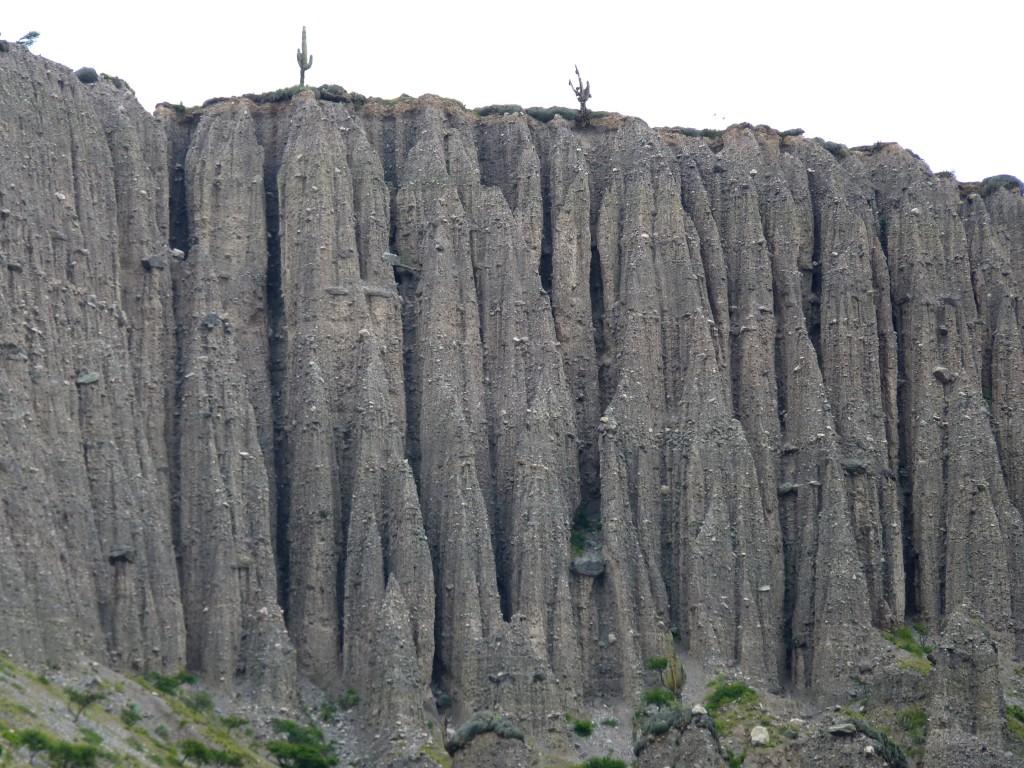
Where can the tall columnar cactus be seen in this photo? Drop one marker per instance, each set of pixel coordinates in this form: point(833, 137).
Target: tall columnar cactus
point(305, 62)
point(582, 95)
point(673, 675)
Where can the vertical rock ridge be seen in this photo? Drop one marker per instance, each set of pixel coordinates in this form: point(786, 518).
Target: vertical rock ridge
point(566, 171)
point(327, 310)
point(952, 454)
point(86, 545)
point(235, 626)
point(447, 369)
point(535, 462)
point(389, 587)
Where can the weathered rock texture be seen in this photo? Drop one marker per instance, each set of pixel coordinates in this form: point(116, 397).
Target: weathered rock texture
point(327, 387)
point(966, 710)
point(691, 740)
point(491, 751)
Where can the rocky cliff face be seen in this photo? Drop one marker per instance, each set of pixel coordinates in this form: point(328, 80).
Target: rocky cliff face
point(397, 396)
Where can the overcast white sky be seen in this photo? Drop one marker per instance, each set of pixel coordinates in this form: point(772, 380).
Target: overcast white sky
point(943, 79)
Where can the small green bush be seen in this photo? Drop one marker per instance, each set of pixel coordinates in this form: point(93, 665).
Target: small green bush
point(914, 720)
point(304, 748)
point(699, 133)
point(1003, 181)
point(660, 722)
point(603, 762)
point(233, 721)
point(79, 701)
point(169, 683)
point(547, 114)
point(328, 711)
point(904, 637)
point(498, 109)
point(228, 757)
point(31, 739)
point(609, 722)
point(200, 702)
point(271, 97)
point(657, 663)
point(838, 151)
point(890, 750)
point(583, 727)
point(660, 697)
point(61, 754)
point(728, 693)
point(89, 736)
point(577, 542)
point(350, 699)
point(1015, 721)
point(918, 664)
point(117, 82)
point(64, 754)
point(196, 751)
point(87, 75)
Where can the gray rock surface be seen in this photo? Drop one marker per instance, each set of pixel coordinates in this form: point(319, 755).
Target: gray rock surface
point(966, 694)
point(491, 751)
point(691, 740)
point(352, 383)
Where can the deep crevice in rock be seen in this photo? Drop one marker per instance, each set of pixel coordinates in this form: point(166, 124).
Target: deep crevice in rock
point(604, 368)
point(546, 267)
point(812, 283)
point(278, 348)
point(904, 480)
point(178, 237)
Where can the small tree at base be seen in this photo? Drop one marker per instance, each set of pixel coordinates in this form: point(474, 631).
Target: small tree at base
point(78, 701)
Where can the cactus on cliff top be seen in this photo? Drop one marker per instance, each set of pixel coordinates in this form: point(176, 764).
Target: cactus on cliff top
point(305, 61)
point(582, 95)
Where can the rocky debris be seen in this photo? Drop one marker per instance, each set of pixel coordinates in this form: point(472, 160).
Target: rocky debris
point(847, 743)
point(842, 729)
point(155, 261)
point(491, 750)
point(588, 565)
point(488, 739)
point(759, 736)
point(955, 749)
point(966, 704)
point(676, 737)
point(121, 554)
